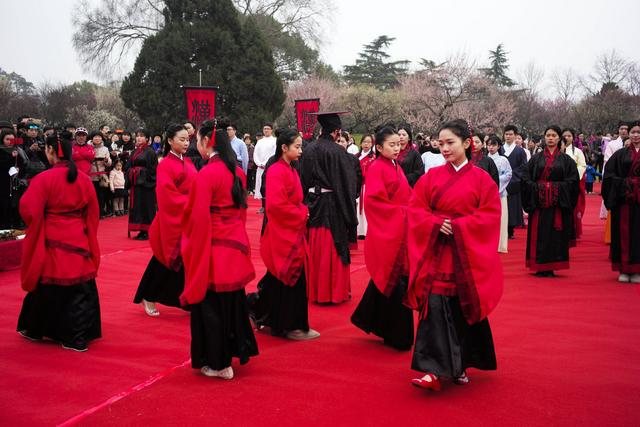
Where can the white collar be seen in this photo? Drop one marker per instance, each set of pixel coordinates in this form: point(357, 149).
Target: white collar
point(176, 154)
point(463, 164)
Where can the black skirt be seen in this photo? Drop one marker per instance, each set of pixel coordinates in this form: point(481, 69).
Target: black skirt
point(282, 308)
point(446, 344)
point(160, 284)
point(220, 330)
point(143, 209)
point(386, 317)
point(68, 314)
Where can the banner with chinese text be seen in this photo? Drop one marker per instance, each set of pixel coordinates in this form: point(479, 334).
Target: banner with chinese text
point(306, 122)
point(200, 102)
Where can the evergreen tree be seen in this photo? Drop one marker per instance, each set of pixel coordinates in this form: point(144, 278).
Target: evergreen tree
point(371, 67)
point(497, 71)
point(204, 35)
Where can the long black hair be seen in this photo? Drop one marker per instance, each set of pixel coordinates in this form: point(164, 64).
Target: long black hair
point(170, 133)
point(461, 129)
point(229, 157)
point(62, 142)
point(285, 136)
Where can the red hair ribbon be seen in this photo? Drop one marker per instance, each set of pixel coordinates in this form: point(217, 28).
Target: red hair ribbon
point(60, 152)
point(212, 139)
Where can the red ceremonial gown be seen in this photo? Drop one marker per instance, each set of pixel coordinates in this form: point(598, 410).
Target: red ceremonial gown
point(381, 310)
point(283, 244)
point(215, 245)
point(174, 180)
point(83, 156)
point(217, 265)
point(61, 246)
point(281, 300)
point(465, 264)
point(60, 259)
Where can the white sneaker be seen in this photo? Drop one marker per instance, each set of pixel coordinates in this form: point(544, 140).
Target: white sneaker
point(635, 278)
point(624, 278)
point(300, 335)
point(225, 374)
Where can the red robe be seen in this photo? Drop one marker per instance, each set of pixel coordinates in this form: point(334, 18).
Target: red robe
point(468, 260)
point(386, 200)
point(83, 156)
point(283, 245)
point(215, 246)
point(174, 180)
point(61, 246)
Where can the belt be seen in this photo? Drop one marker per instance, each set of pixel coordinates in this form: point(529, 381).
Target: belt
point(319, 190)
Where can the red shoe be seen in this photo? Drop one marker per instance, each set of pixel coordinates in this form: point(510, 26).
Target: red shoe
point(428, 382)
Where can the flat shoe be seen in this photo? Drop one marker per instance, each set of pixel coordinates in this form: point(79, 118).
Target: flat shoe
point(428, 382)
point(150, 309)
point(225, 374)
point(624, 278)
point(300, 335)
point(635, 278)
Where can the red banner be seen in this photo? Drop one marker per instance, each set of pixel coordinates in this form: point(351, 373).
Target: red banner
point(307, 122)
point(200, 102)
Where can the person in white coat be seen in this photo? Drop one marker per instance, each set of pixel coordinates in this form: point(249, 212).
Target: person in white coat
point(264, 149)
point(504, 172)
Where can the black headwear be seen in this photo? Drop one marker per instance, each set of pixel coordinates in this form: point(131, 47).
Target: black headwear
point(329, 120)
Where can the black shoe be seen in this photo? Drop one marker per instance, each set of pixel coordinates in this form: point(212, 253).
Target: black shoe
point(546, 273)
point(142, 236)
point(26, 335)
point(79, 347)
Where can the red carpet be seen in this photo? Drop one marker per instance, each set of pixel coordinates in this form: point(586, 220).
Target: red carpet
point(568, 354)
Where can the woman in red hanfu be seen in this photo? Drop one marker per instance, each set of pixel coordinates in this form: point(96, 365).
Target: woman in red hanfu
point(367, 156)
point(141, 180)
point(381, 310)
point(217, 259)
point(621, 194)
point(281, 300)
point(163, 280)
point(455, 272)
point(60, 255)
point(550, 186)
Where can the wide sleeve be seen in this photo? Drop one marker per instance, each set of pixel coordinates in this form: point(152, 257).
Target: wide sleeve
point(581, 163)
point(32, 207)
point(613, 182)
point(152, 166)
point(505, 175)
point(493, 172)
point(415, 168)
point(476, 236)
point(196, 240)
point(528, 185)
point(343, 175)
point(569, 188)
point(424, 228)
point(279, 204)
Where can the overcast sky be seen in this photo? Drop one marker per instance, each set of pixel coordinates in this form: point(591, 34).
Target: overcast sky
point(552, 33)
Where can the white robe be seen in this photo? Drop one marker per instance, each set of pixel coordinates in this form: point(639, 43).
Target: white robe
point(264, 149)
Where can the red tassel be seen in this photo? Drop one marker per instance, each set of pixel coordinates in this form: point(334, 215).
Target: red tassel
point(60, 152)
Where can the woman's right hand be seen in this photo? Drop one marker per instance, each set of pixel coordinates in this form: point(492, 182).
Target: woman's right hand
point(446, 228)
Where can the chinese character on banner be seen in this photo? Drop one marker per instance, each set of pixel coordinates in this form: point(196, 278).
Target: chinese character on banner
point(200, 102)
point(307, 122)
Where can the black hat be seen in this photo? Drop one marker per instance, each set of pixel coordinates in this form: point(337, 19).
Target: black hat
point(6, 125)
point(329, 120)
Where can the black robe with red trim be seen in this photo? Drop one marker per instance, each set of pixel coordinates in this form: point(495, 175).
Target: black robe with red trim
point(141, 179)
point(549, 198)
point(621, 194)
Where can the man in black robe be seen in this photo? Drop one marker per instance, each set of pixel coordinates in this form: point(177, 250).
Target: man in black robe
point(329, 182)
